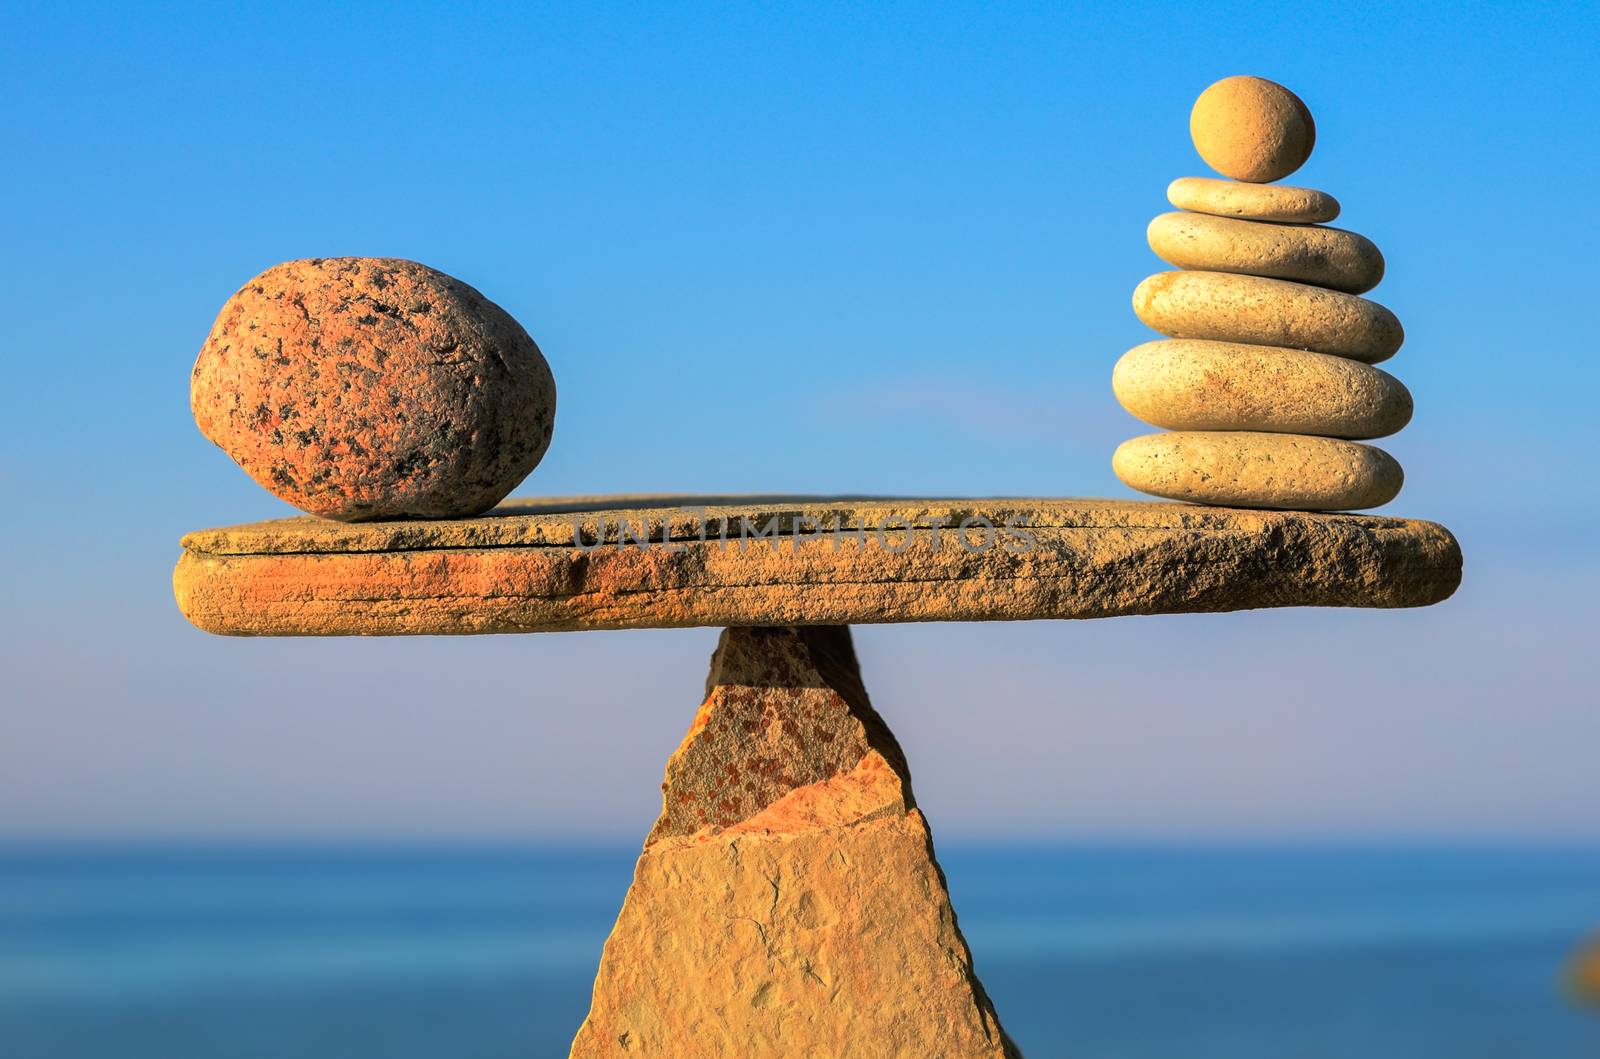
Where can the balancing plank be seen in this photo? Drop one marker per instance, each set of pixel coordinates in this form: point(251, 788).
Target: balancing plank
point(629, 562)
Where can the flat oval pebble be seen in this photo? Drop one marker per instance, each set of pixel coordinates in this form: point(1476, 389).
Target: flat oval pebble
point(1252, 202)
point(1305, 253)
point(360, 388)
point(1267, 312)
point(1193, 384)
point(1246, 469)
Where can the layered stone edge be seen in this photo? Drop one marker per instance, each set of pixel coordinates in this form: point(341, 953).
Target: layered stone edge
point(574, 563)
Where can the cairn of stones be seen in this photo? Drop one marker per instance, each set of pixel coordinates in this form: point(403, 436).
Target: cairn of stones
point(1265, 382)
point(787, 901)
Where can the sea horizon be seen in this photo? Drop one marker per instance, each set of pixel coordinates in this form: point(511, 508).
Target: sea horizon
point(410, 948)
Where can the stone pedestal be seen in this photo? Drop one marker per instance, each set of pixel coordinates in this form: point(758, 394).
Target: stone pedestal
point(787, 902)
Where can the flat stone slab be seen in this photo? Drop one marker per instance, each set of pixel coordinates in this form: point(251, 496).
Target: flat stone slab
point(623, 562)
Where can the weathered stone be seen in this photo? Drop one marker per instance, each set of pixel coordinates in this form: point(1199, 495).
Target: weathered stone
point(1249, 128)
point(562, 564)
point(1305, 253)
point(1268, 312)
point(361, 388)
point(1252, 202)
point(1193, 384)
point(787, 901)
point(1245, 469)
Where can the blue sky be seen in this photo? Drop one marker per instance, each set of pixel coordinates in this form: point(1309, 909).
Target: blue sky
point(769, 248)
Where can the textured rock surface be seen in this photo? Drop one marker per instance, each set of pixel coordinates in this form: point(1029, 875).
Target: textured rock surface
point(1268, 312)
point(1305, 253)
point(1256, 202)
point(1249, 128)
point(359, 388)
point(787, 902)
point(521, 572)
point(1247, 469)
point(1192, 384)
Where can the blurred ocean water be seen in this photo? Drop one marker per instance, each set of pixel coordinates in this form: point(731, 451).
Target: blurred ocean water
point(1233, 953)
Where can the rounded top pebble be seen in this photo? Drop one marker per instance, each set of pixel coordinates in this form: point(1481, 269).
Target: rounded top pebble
point(360, 388)
point(1252, 129)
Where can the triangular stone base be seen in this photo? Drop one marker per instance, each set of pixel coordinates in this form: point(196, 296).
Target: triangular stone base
point(787, 902)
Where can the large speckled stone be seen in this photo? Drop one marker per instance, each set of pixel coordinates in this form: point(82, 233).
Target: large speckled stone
point(1252, 202)
point(559, 564)
point(365, 388)
point(1305, 253)
point(787, 901)
point(1247, 469)
point(1192, 384)
point(1270, 312)
point(1249, 128)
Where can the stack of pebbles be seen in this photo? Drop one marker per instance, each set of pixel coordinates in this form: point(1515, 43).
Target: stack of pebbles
point(1266, 374)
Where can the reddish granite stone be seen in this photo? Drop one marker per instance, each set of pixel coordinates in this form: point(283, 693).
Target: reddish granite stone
point(365, 388)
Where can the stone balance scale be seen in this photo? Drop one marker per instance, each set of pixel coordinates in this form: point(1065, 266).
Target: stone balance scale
point(787, 900)
point(787, 897)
